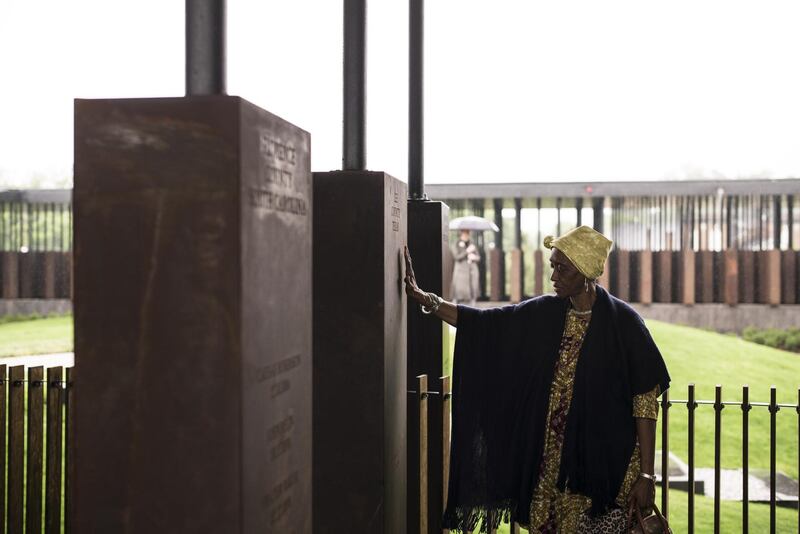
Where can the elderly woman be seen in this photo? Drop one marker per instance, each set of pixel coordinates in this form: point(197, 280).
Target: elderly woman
point(555, 402)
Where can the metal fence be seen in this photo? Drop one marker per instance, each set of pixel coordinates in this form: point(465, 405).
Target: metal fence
point(35, 425)
point(692, 404)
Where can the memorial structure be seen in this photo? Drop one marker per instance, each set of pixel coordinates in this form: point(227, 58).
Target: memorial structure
point(360, 390)
point(192, 316)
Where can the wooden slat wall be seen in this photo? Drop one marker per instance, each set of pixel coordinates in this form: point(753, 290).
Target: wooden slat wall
point(16, 447)
point(33, 486)
point(3, 465)
point(54, 451)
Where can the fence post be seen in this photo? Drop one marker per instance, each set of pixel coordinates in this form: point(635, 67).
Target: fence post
point(33, 486)
point(773, 412)
point(718, 406)
point(446, 400)
point(16, 448)
point(665, 405)
point(746, 407)
point(422, 393)
point(52, 504)
point(691, 405)
point(3, 464)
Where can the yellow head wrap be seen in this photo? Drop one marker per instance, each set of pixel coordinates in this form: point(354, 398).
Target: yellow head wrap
point(585, 247)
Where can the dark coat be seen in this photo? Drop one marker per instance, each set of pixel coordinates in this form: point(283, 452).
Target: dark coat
point(504, 364)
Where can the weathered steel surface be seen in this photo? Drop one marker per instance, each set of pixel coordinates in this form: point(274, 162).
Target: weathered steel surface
point(538, 272)
point(622, 275)
point(428, 228)
point(10, 273)
point(496, 273)
point(192, 318)
point(747, 276)
point(360, 368)
point(645, 275)
point(731, 284)
point(687, 281)
point(663, 272)
point(704, 278)
point(769, 277)
point(788, 277)
point(516, 275)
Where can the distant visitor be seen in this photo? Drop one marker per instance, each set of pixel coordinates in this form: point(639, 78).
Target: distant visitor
point(465, 270)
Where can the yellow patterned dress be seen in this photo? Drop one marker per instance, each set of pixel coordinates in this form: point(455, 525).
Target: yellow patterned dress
point(554, 511)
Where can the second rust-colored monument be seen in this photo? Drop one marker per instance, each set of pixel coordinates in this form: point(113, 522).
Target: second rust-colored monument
point(192, 318)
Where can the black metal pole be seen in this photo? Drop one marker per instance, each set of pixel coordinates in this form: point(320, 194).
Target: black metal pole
point(416, 121)
point(355, 86)
point(205, 47)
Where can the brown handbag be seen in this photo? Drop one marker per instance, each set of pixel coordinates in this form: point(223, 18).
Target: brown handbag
point(655, 523)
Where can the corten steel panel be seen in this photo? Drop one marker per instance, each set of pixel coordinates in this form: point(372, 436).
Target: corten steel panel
point(718, 269)
point(30, 275)
point(428, 227)
point(663, 276)
point(788, 277)
point(516, 275)
point(768, 273)
point(538, 272)
point(687, 273)
point(731, 284)
point(645, 277)
point(704, 278)
point(10, 274)
point(50, 266)
point(605, 278)
point(622, 275)
point(276, 217)
point(747, 276)
point(360, 389)
point(495, 270)
point(193, 336)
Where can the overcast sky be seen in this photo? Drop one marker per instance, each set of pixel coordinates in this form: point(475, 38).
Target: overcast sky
point(515, 90)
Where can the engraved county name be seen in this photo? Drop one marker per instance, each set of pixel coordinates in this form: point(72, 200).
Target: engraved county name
point(276, 188)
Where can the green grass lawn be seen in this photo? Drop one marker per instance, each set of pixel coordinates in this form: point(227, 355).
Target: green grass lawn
point(707, 359)
point(37, 336)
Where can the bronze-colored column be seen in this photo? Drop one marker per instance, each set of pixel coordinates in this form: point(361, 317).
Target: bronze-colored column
point(769, 277)
point(622, 279)
point(10, 266)
point(705, 292)
point(731, 290)
point(193, 317)
point(747, 276)
point(516, 275)
point(496, 271)
point(498, 242)
point(646, 276)
point(788, 277)
point(687, 274)
point(538, 272)
point(663, 284)
point(50, 260)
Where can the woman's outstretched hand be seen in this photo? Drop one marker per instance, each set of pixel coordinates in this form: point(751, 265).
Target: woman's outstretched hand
point(412, 289)
point(447, 311)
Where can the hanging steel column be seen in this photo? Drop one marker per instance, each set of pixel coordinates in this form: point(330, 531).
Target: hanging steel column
point(416, 130)
point(205, 47)
point(354, 148)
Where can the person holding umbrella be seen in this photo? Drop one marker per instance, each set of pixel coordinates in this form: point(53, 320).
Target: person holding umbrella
point(465, 286)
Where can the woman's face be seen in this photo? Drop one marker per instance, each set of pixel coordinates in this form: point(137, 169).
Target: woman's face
point(567, 280)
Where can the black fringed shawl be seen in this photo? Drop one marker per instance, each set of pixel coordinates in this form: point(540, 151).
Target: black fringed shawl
point(504, 364)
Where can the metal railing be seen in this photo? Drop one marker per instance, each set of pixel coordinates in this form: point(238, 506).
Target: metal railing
point(691, 403)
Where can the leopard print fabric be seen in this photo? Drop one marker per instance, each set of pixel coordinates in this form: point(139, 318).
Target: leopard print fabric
point(612, 522)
